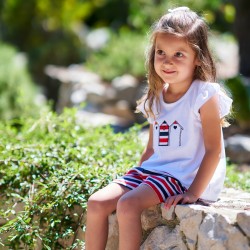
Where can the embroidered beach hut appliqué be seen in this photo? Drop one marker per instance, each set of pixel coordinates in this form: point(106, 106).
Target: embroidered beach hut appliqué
point(169, 135)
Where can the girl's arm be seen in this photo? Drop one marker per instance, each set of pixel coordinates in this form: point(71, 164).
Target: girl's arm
point(148, 151)
point(211, 128)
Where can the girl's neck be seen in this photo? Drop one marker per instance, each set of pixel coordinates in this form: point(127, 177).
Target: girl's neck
point(173, 92)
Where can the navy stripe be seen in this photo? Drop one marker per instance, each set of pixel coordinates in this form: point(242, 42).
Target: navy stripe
point(183, 189)
point(132, 180)
point(159, 186)
point(163, 133)
point(173, 186)
point(145, 171)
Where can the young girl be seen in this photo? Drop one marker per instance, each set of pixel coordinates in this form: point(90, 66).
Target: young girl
point(184, 158)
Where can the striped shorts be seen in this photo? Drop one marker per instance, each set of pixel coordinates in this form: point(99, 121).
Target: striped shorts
point(164, 185)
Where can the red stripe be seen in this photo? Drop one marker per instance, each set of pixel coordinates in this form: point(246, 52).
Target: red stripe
point(156, 190)
point(132, 172)
point(163, 139)
point(163, 127)
point(165, 183)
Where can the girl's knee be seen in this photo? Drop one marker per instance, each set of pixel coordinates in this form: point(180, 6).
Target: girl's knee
point(127, 205)
point(94, 203)
point(98, 205)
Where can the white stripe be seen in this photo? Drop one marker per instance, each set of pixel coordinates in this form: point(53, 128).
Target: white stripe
point(159, 190)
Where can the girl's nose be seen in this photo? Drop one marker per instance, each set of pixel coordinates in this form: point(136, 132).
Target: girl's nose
point(167, 60)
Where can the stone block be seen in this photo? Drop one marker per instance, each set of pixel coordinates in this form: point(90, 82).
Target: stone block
point(168, 214)
point(217, 233)
point(113, 236)
point(151, 218)
point(190, 219)
point(162, 238)
point(243, 220)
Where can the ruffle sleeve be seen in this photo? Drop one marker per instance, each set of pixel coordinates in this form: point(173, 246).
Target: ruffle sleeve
point(207, 91)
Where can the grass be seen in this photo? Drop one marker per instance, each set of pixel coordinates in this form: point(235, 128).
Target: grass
point(238, 179)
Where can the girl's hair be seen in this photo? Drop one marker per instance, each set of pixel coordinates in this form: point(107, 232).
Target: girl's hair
point(184, 23)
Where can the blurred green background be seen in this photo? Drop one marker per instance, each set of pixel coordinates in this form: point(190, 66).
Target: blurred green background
point(108, 37)
point(49, 162)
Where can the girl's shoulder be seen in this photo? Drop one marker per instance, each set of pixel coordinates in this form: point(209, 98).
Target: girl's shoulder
point(203, 86)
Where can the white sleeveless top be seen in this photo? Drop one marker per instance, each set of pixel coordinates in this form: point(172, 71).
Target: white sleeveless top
point(177, 137)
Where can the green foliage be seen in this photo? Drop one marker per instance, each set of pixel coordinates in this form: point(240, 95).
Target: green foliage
point(237, 179)
point(51, 165)
point(241, 97)
point(45, 31)
point(124, 54)
point(218, 13)
point(17, 90)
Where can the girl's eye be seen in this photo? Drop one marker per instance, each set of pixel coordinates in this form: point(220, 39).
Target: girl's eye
point(160, 52)
point(178, 54)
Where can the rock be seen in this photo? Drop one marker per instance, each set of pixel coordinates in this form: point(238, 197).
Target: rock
point(169, 214)
point(206, 237)
point(97, 38)
point(76, 83)
point(162, 238)
point(190, 219)
point(126, 88)
point(243, 220)
point(120, 109)
point(72, 74)
point(216, 232)
point(151, 218)
point(118, 98)
point(113, 236)
point(238, 148)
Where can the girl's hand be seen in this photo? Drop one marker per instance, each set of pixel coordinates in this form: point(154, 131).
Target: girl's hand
point(185, 198)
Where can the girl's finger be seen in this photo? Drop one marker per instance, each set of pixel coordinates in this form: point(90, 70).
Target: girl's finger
point(169, 201)
point(177, 199)
point(185, 200)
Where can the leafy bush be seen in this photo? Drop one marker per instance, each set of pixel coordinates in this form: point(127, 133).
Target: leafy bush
point(51, 165)
point(241, 97)
point(17, 90)
point(123, 54)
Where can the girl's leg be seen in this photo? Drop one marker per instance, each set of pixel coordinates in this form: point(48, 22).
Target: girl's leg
point(100, 205)
point(129, 209)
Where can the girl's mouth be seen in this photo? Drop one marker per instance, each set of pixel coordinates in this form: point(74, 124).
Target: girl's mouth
point(169, 71)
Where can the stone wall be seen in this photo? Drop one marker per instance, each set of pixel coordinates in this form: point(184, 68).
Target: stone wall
point(224, 225)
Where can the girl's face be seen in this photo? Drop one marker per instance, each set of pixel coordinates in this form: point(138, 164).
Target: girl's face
point(174, 59)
